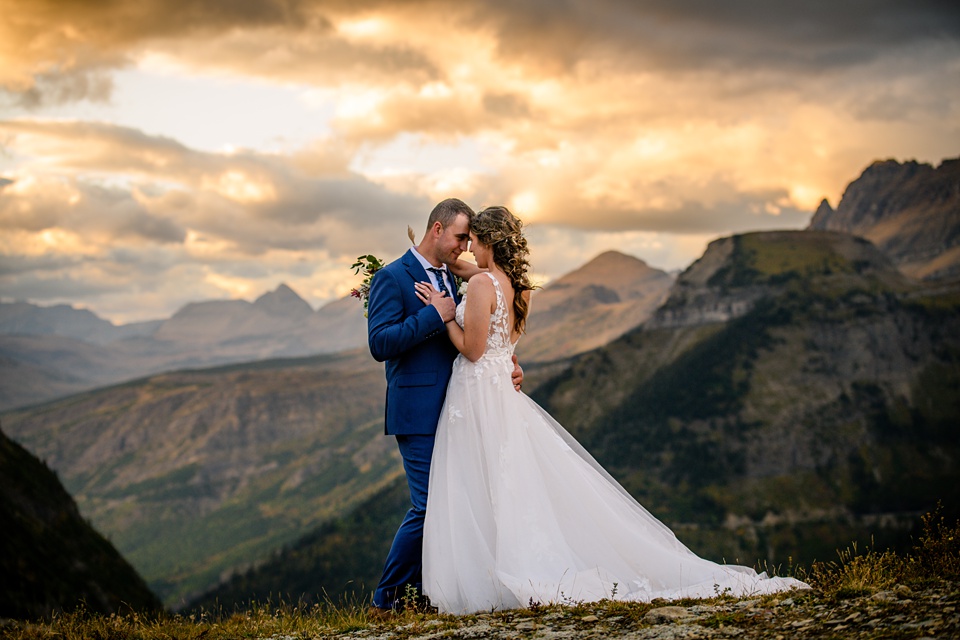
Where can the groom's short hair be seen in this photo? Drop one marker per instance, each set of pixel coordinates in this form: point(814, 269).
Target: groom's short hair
point(447, 211)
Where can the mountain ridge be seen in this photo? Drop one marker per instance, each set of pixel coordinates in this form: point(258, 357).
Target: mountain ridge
point(281, 324)
point(910, 211)
point(586, 308)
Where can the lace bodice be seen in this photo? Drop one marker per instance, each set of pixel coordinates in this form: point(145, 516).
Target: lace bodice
point(499, 349)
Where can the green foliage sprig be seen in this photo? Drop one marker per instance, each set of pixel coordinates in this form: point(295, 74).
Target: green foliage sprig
point(367, 265)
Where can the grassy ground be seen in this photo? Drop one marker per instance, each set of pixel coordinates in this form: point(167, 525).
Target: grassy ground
point(863, 594)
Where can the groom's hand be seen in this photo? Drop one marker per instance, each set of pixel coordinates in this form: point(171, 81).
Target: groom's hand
point(517, 375)
point(444, 304)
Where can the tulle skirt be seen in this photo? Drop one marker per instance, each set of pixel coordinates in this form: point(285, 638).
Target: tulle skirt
point(519, 512)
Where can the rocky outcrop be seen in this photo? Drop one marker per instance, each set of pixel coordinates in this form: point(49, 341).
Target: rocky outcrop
point(737, 271)
point(910, 211)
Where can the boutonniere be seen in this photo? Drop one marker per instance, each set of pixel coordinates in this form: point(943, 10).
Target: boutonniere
point(368, 265)
point(461, 285)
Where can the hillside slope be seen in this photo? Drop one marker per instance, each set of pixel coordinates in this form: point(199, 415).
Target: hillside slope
point(342, 558)
point(785, 398)
point(589, 307)
point(51, 560)
point(195, 474)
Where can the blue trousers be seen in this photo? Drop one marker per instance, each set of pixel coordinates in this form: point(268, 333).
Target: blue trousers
point(404, 563)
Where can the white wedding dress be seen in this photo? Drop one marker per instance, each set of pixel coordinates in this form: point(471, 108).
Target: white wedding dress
point(517, 510)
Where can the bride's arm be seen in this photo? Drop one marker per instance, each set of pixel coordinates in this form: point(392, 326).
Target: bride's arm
point(465, 270)
point(471, 341)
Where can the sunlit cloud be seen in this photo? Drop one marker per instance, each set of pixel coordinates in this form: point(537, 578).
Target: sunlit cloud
point(181, 150)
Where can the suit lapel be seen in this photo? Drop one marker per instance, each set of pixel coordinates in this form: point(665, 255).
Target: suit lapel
point(414, 268)
point(419, 274)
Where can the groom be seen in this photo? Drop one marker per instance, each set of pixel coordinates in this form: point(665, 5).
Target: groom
point(411, 339)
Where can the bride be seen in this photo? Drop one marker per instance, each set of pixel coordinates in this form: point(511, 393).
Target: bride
point(517, 510)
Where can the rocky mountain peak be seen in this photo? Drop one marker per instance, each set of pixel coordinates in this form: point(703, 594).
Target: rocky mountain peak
point(735, 272)
point(283, 301)
point(910, 211)
point(824, 211)
point(608, 296)
point(613, 269)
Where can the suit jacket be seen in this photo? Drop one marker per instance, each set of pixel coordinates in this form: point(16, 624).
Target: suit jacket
point(409, 337)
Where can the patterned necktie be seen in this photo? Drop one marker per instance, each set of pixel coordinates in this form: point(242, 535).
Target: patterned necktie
point(441, 285)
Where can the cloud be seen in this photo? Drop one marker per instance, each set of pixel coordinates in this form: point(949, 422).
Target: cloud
point(254, 199)
point(414, 43)
point(649, 127)
point(124, 211)
point(697, 34)
point(13, 264)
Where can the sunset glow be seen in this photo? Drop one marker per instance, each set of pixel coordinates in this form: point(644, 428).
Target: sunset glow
point(148, 159)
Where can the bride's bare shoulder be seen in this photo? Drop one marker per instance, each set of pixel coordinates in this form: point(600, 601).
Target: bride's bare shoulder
point(480, 283)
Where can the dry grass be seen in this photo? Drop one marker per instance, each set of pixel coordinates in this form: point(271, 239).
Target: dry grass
point(935, 556)
point(935, 559)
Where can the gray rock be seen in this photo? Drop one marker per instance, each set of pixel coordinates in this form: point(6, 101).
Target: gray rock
point(884, 596)
point(661, 615)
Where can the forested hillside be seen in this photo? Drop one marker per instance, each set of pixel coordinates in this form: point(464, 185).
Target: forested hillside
point(51, 559)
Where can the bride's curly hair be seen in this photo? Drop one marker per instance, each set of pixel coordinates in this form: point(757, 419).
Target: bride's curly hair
point(499, 229)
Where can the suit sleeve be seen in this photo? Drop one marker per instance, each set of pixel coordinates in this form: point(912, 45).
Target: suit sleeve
point(389, 332)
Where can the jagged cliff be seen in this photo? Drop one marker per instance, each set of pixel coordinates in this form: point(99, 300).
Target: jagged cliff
point(910, 211)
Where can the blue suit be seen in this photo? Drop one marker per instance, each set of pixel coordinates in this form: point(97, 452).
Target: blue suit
point(411, 339)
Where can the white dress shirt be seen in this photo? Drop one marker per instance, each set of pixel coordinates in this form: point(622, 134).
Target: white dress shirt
point(433, 276)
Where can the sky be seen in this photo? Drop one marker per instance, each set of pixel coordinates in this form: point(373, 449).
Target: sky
point(159, 152)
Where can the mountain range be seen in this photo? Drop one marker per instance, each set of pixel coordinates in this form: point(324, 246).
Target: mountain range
point(49, 352)
point(793, 391)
